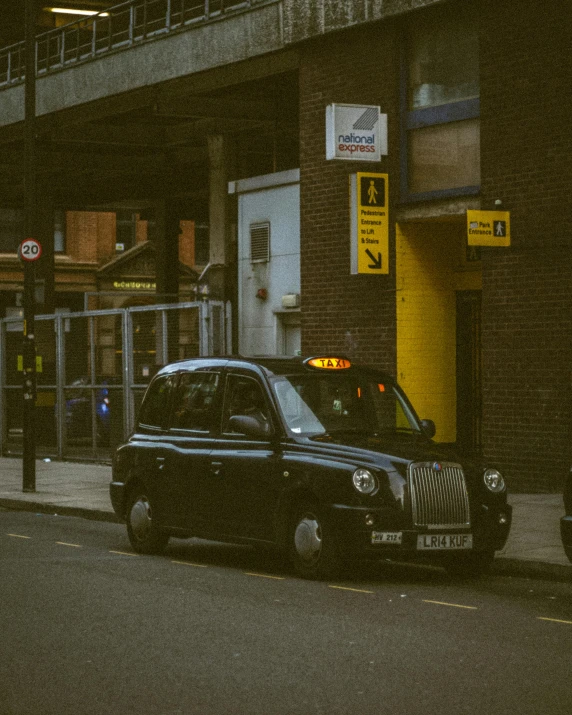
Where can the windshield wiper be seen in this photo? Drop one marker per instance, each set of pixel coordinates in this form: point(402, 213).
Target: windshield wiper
point(404, 430)
point(349, 430)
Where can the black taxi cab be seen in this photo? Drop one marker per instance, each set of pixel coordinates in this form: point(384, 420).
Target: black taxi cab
point(322, 458)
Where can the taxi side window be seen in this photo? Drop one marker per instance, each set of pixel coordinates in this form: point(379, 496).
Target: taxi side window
point(244, 396)
point(193, 400)
point(154, 408)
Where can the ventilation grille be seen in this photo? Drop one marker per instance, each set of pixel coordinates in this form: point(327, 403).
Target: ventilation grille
point(439, 498)
point(259, 242)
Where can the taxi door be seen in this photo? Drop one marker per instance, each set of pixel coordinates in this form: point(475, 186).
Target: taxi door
point(245, 472)
point(190, 441)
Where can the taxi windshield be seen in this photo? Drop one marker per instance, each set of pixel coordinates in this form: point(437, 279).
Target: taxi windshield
point(316, 404)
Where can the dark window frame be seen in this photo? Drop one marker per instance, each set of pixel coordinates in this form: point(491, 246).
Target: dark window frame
point(411, 119)
point(212, 429)
point(225, 409)
point(170, 381)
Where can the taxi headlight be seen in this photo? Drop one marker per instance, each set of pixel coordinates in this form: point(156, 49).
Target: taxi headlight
point(494, 481)
point(364, 481)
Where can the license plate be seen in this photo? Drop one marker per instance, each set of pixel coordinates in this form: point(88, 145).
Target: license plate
point(427, 542)
point(386, 537)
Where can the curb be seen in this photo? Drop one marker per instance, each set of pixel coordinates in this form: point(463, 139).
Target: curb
point(59, 510)
point(521, 568)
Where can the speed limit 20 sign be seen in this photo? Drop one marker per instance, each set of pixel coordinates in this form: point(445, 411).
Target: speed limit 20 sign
point(30, 249)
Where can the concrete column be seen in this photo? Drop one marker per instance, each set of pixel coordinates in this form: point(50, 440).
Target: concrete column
point(166, 251)
point(167, 229)
point(221, 157)
point(45, 276)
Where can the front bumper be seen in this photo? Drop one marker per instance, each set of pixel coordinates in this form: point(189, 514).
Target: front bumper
point(117, 492)
point(489, 529)
point(566, 534)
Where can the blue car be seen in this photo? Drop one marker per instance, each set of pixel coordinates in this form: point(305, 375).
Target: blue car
point(78, 418)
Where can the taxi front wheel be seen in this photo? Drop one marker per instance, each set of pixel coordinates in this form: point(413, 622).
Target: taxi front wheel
point(142, 529)
point(312, 547)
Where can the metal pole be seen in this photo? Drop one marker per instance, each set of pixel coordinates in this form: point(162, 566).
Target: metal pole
point(29, 346)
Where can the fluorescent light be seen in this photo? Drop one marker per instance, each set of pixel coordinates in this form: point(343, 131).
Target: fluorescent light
point(72, 11)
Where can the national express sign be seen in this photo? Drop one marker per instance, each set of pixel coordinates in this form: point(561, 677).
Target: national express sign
point(355, 132)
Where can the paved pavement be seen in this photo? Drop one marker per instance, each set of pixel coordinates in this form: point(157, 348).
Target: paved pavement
point(82, 489)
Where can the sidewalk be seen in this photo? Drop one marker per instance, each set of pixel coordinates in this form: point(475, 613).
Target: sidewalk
point(82, 489)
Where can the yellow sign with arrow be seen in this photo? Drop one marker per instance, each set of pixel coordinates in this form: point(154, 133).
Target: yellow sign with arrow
point(369, 223)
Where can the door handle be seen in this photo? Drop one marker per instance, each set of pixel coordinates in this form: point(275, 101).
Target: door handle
point(216, 468)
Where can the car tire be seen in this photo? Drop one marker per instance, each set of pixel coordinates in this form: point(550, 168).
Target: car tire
point(470, 565)
point(143, 531)
point(312, 548)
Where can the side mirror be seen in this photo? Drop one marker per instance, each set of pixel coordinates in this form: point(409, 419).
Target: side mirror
point(429, 428)
point(250, 426)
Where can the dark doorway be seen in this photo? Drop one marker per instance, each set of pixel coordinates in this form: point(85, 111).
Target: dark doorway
point(469, 400)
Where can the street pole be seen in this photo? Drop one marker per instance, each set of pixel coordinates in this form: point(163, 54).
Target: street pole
point(29, 345)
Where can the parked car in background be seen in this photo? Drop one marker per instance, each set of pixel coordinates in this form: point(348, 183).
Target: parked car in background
point(566, 521)
point(79, 415)
point(320, 457)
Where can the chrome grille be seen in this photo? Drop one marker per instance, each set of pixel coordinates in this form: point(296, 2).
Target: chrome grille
point(439, 498)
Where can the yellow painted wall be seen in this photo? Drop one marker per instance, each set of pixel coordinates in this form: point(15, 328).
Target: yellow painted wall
point(430, 268)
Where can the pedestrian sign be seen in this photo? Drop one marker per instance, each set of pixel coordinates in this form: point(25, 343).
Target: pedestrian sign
point(488, 228)
point(369, 223)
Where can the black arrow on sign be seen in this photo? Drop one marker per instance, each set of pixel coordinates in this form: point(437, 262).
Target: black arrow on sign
point(376, 261)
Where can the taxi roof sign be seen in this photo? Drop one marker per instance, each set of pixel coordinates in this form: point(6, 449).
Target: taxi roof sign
point(329, 363)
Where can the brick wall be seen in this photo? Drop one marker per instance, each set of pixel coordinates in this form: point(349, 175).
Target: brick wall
point(526, 145)
point(90, 236)
point(354, 315)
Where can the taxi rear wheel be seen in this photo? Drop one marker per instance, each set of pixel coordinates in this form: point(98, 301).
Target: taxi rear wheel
point(312, 548)
point(470, 565)
point(142, 529)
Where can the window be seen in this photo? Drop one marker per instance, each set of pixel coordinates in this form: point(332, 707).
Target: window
point(11, 230)
point(202, 244)
point(316, 404)
point(153, 411)
point(441, 134)
point(59, 231)
point(244, 396)
point(444, 156)
point(125, 230)
point(193, 402)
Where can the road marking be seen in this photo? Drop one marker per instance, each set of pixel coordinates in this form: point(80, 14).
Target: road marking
point(263, 575)
point(122, 553)
point(453, 605)
point(19, 536)
point(346, 588)
point(188, 563)
point(554, 620)
point(64, 543)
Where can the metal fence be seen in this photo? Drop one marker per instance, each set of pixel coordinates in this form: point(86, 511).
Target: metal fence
point(93, 368)
point(119, 27)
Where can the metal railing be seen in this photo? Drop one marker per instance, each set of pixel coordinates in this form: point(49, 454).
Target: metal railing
point(119, 27)
point(93, 368)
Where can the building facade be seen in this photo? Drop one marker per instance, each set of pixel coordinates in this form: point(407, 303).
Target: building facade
point(478, 106)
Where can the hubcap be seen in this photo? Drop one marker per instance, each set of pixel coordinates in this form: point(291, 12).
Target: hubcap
point(308, 538)
point(140, 518)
